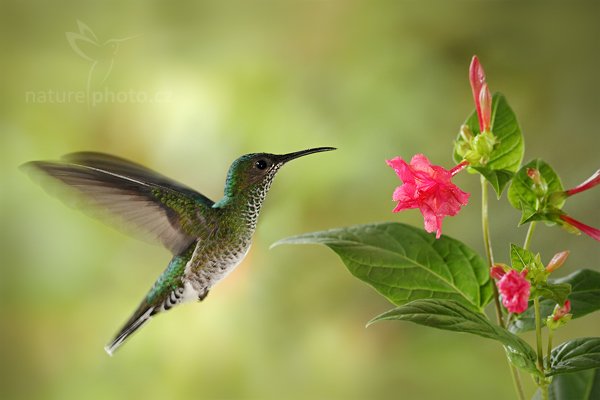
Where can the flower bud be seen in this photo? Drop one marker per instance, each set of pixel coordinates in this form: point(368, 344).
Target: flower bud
point(557, 261)
point(534, 175)
point(560, 312)
point(539, 183)
point(560, 316)
point(498, 271)
point(485, 102)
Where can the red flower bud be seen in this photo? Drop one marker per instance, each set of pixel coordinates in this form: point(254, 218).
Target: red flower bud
point(481, 94)
point(535, 176)
point(562, 311)
point(497, 272)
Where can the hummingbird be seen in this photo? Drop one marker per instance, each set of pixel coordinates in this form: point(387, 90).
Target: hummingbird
point(207, 239)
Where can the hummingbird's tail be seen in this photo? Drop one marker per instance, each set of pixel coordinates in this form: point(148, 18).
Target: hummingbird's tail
point(138, 320)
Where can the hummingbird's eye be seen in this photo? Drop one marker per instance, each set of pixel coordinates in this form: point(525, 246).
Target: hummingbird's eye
point(261, 164)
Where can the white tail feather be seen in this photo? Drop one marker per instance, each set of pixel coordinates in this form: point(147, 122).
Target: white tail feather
point(127, 331)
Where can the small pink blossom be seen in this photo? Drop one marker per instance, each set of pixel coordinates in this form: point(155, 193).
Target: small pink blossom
point(562, 311)
point(515, 290)
point(588, 230)
point(481, 94)
point(429, 188)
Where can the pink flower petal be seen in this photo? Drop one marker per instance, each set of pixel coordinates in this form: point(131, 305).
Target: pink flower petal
point(588, 230)
point(515, 290)
point(429, 188)
point(588, 184)
point(562, 311)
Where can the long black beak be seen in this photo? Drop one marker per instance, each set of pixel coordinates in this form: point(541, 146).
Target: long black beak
point(283, 158)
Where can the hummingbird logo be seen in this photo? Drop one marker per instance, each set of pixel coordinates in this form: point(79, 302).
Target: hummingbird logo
point(101, 55)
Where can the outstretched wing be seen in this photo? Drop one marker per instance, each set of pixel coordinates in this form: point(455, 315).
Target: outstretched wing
point(168, 211)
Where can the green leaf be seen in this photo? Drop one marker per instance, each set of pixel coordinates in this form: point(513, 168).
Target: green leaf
point(497, 178)
point(557, 292)
point(507, 154)
point(582, 385)
point(452, 316)
point(523, 195)
point(585, 299)
point(575, 355)
point(521, 259)
point(405, 263)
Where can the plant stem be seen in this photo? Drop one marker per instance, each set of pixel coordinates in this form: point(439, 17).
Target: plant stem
point(487, 241)
point(529, 235)
point(550, 334)
point(540, 352)
point(538, 333)
point(485, 225)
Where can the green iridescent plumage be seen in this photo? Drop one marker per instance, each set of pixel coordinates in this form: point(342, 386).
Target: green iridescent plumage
point(208, 240)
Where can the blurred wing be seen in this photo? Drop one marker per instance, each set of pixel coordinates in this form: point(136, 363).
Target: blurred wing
point(168, 211)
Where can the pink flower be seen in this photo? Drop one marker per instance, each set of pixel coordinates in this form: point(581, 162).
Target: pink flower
point(481, 94)
point(588, 230)
point(562, 311)
point(515, 290)
point(428, 188)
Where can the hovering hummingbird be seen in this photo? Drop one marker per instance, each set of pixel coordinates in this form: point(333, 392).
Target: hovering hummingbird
point(207, 239)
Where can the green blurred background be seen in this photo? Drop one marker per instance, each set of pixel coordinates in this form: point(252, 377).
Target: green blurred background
point(375, 81)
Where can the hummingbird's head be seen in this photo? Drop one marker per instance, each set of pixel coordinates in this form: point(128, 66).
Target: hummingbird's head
point(256, 171)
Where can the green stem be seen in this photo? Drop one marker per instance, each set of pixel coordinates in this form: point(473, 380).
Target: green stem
point(487, 241)
point(529, 235)
point(516, 381)
point(540, 352)
point(485, 225)
point(545, 392)
point(550, 335)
